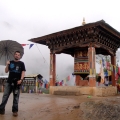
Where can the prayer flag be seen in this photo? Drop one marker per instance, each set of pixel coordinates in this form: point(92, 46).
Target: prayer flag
point(117, 69)
point(103, 62)
point(109, 73)
point(68, 78)
point(90, 71)
point(31, 45)
point(111, 68)
point(106, 73)
point(23, 44)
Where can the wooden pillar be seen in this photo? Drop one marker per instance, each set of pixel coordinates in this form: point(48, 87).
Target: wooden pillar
point(113, 62)
point(77, 80)
point(36, 84)
point(92, 68)
point(2, 88)
point(52, 69)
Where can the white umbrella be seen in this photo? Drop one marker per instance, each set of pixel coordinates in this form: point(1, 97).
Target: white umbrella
point(7, 50)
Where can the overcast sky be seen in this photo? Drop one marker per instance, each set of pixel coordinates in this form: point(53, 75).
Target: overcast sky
point(21, 20)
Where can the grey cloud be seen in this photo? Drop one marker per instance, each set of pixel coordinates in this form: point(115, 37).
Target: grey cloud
point(25, 19)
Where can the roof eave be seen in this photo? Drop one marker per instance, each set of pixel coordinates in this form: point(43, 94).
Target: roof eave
point(102, 23)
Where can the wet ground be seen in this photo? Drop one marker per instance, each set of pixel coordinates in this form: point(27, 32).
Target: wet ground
point(47, 107)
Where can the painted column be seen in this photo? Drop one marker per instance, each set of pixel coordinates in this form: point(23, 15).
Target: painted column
point(52, 69)
point(77, 79)
point(92, 68)
point(113, 62)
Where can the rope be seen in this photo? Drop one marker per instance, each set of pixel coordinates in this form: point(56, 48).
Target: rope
point(41, 54)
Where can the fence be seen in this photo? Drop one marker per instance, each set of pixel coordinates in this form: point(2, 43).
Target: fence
point(28, 85)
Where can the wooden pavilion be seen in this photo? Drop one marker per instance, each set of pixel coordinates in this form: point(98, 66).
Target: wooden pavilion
point(83, 43)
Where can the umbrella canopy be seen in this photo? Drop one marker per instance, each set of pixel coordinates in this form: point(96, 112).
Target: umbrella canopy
point(7, 50)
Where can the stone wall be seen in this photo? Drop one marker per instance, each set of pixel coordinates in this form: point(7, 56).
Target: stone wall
point(77, 90)
point(104, 91)
point(64, 90)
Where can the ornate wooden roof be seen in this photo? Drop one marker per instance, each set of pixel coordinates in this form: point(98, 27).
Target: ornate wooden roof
point(104, 37)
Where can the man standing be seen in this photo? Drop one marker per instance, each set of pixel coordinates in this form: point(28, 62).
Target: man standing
point(16, 69)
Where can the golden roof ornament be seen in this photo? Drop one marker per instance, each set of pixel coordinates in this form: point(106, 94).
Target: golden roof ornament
point(83, 23)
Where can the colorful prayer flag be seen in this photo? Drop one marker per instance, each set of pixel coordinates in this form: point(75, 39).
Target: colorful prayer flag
point(90, 71)
point(31, 45)
point(68, 78)
point(103, 62)
point(111, 67)
point(117, 69)
point(23, 44)
point(109, 73)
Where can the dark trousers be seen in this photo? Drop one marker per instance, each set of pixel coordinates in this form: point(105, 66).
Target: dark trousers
point(8, 89)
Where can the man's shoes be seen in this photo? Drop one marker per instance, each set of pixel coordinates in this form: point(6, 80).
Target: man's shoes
point(15, 114)
point(2, 111)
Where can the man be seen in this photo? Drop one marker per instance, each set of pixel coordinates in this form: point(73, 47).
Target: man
point(16, 69)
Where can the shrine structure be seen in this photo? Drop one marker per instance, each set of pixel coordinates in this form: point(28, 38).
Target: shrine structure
point(82, 43)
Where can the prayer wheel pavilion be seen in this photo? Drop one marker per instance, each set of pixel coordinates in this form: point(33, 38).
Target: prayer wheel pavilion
point(82, 43)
